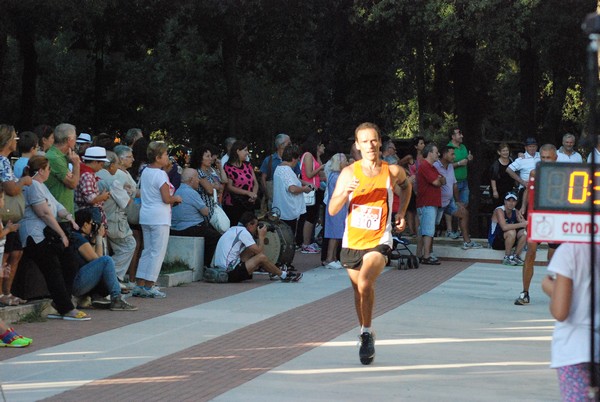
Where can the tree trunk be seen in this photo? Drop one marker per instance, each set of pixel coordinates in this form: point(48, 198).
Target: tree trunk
point(3, 50)
point(419, 63)
point(527, 89)
point(551, 130)
point(234, 96)
point(26, 38)
point(469, 120)
point(98, 105)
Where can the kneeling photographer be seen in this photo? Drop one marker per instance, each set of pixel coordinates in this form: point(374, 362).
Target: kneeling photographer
point(96, 271)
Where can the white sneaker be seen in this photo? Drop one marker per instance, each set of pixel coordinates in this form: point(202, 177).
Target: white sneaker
point(334, 265)
point(155, 293)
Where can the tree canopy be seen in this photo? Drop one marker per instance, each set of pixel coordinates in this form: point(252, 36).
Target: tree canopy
point(202, 70)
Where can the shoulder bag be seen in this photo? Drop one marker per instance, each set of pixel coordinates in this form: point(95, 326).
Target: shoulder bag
point(219, 219)
point(14, 208)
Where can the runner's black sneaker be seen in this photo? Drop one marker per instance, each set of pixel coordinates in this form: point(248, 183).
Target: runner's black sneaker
point(523, 299)
point(367, 348)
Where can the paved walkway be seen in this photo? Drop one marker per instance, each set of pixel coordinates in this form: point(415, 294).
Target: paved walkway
point(448, 332)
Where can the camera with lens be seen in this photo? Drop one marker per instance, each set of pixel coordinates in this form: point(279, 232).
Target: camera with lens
point(95, 228)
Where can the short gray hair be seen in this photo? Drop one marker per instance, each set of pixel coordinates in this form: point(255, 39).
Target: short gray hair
point(336, 162)
point(548, 147)
point(121, 150)
point(132, 135)
point(112, 159)
point(280, 139)
point(188, 174)
point(229, 142)
point(62, 132)
point(568, 136)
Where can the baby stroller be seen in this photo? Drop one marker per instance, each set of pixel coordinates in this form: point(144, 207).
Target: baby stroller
point(409, 261)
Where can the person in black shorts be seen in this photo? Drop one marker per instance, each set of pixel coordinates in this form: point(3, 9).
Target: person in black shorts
point(547, 154)
point(239, 254)
point(364, 190)
point(508, 230)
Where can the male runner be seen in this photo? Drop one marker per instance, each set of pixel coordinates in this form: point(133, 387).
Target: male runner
point(364, 189)
point(547, 154)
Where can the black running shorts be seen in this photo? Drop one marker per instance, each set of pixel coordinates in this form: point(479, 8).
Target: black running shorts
point(353, 259)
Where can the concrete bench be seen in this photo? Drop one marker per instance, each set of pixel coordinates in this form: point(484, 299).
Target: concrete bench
point(189, 250)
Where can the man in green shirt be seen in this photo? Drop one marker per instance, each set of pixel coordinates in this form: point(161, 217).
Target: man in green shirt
point(462, 158)
point(62, 182)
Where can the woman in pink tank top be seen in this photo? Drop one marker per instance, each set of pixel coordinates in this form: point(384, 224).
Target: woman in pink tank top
point(310, 173)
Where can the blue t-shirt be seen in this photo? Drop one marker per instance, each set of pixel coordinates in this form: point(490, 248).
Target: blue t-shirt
point(187, 214)
point(19, 166)
point(264, 168)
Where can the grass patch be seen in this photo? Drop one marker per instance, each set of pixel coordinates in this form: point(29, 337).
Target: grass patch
point(34, 316)
point(174, 266)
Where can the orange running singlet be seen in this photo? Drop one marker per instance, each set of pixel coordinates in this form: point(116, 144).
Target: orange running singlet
point(369, 213)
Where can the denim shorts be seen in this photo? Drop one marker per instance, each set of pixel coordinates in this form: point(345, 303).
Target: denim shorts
point(463, 191)
point(427, 216)
point(449, 209)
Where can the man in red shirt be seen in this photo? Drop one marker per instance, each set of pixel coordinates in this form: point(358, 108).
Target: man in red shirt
point(429, 199)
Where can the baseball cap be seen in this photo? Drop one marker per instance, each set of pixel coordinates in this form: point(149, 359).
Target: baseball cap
point(530, 141)
point(510, 195)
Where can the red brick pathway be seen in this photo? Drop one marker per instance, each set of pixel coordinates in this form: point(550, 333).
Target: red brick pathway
point(209, 369)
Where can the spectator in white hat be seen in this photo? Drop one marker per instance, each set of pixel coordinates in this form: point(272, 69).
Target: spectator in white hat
point(87, 193)
point(84, 141)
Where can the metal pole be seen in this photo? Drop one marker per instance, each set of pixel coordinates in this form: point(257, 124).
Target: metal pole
point(592, 69)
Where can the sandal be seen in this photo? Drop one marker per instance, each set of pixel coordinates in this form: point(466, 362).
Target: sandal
point(73, 315)
point(16, 299)
point(76, 315)
point(8, 301)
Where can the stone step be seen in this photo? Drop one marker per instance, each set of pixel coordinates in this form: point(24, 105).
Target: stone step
point(446, 248)
point(35, 309)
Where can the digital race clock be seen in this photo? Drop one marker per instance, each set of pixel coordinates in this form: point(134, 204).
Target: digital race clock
point(560, 202)
point(565, 187)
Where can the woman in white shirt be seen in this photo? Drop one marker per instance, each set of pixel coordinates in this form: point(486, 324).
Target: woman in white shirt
point(155, 218)
point(288, 191)
point(569, 287)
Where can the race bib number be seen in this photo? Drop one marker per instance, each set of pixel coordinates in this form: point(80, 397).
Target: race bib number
point(366, 217)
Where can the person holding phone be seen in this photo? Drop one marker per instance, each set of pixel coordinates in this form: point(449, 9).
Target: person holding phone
point(288, 191)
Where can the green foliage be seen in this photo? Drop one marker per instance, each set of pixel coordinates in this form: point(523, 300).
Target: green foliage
point(196, 71)
point(33, 316)
point(170, 267)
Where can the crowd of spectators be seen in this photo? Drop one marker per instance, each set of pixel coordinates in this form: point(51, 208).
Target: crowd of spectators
point(97, 214)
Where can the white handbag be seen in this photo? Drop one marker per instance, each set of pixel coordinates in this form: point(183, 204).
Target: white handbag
point(310, 198)
point(219, 219)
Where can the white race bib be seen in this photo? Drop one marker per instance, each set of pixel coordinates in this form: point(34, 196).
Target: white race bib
point(366, 217)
